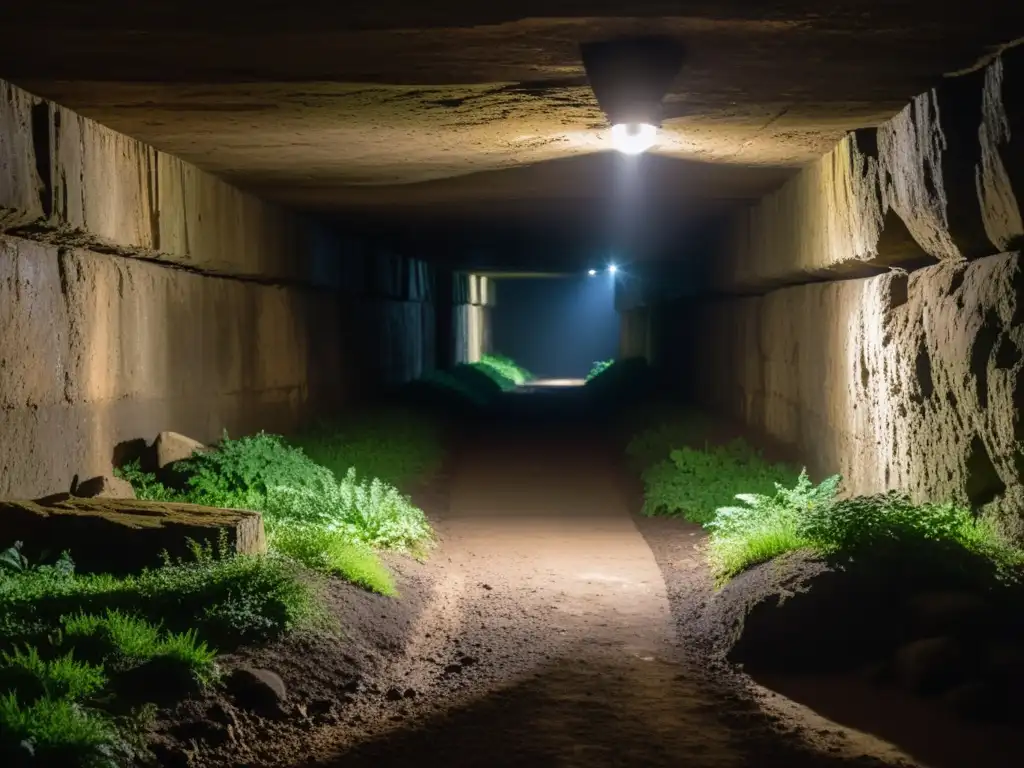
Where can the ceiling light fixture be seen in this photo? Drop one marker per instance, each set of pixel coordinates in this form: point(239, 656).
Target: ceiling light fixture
point(591, 272)
point(612, 269)
point(634, 138)
point(630, 77)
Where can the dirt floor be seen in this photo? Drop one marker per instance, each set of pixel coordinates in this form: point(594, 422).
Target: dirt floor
point(553, 627)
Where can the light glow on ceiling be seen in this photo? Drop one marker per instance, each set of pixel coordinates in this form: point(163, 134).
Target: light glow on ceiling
point(633, 138)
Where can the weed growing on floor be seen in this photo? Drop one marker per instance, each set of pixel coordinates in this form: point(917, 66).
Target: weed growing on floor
point(368, 512)
point(56, 732)
point(505, 371)
point(77, 649)
point(693, 484)
point(398, 446)
point(228, 599)
point(30, 676)
point(333, 552)
point(599, 367)
point(767, 525)
point(886, 527)
point(305, 504)
point(659, 428)
point(123, 640)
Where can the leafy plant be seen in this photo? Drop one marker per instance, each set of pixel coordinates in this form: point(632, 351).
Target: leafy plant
point(693, 484)
point(333, 552)
point(767, 525)
point(367, 511)
point(243, 470)
point(13, 561)
point(56, 732)
point(599, 367)
point(228, 599)
point(658, 430)
point(399, 446)
point(26, 673)
point(891, 527)
point(505, 371)
point(305, 504)
point(145, 484)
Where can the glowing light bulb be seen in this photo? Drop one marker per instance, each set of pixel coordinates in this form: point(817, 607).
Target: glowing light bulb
point(633, 138)
point(591, 272)
point(613, 269)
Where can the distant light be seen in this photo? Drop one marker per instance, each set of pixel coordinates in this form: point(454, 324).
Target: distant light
point(613, 269)
point(633, 138)
point(591, 272)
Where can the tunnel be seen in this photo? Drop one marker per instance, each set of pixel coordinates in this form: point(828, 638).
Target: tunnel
point(535, 384)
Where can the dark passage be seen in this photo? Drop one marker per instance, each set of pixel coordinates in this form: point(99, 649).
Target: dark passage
point(556, 327)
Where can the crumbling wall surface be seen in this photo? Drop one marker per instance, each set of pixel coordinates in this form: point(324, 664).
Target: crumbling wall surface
point(943, 180)
point(97, 350)
point(897, 381)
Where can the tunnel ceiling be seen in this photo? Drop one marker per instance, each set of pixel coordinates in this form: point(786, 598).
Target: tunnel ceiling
point(449, 110)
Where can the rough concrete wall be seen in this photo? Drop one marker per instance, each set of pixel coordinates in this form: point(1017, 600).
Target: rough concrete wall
point(98, 346)
point(96, 350)
point(896, 381)
point(67, 179)
point(942, 181)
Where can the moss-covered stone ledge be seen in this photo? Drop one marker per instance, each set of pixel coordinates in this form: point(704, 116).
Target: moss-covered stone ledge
point(123, 535)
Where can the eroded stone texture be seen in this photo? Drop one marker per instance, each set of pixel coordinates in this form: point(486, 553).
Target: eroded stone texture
point(96, 350)
point(940, 181)
point(1002, 156)
point(897, 381)
point(125, 535)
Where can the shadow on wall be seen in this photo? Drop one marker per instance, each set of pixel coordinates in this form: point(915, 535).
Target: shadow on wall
point(556, 327)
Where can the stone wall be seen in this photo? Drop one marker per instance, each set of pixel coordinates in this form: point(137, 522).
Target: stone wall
point(97, 350)
point(911, 378)
point(139, 294)
point(942, 181)
point(69, 180)
point(895, 381)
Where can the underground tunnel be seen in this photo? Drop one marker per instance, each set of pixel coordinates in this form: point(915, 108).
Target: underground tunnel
point(537, 385)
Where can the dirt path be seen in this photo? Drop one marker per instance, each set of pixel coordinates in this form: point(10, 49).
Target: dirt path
point(555, 610)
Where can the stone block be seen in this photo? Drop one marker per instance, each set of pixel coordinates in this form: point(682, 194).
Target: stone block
point(104, 487)
point(120, 535)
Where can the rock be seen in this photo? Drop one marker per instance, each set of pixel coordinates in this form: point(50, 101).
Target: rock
point(124, 535)
point(800, 614)
point(930, 665)
point(105, 487)
point(974, 700)
point(257, 690)
point(170, 447)
point(940, 613)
